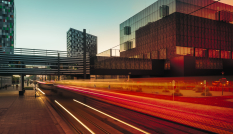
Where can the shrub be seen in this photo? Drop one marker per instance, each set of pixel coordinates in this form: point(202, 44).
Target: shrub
point(207, 94)
point(177, 92)
point(165, 90)
point(198, 89)
point(138, 89)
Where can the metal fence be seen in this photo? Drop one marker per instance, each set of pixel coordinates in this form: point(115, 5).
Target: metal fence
point(39, 52)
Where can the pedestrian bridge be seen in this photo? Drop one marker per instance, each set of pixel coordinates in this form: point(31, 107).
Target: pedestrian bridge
point(41, 62)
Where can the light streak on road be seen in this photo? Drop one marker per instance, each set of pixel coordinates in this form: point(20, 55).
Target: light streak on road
point(75, 118)
point(41, 91)
point(112, 117)
point(132, 99)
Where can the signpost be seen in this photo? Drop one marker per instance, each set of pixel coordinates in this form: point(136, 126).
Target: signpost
point(223, 81)
point(205, 86)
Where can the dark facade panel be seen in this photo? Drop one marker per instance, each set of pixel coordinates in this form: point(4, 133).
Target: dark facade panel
point(126, 66)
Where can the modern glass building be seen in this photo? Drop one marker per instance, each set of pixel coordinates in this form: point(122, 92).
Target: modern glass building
point(7, 26)
point(75, 41)
point(147, 15)
point(172, 28)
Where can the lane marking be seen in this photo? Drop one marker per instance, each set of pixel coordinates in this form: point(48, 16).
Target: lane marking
point(75, 118)
point(112, 117)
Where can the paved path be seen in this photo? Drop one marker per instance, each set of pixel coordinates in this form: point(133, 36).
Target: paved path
point(26, 114)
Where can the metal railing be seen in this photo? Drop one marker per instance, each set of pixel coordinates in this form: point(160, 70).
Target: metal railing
point(39, 52)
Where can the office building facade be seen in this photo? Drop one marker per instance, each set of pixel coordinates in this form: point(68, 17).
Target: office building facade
point(75, 41)
point(167, 29)
point(7, 26)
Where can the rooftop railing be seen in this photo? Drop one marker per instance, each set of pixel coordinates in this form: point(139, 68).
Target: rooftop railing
point(39, 52)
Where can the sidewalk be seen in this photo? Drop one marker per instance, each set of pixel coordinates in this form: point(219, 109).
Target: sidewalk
point(25, 114)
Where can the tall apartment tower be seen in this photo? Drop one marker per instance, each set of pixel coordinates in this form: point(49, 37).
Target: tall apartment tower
point(75, 41)
point(7, 16)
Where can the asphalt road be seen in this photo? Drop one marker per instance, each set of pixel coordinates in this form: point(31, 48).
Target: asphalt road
point(125, 121)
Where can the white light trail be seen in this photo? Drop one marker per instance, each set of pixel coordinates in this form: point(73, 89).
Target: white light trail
point(113, 117)
point(41, 91)
point(75, 118)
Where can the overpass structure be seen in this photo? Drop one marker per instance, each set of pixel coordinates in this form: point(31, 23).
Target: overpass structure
point(42, 62)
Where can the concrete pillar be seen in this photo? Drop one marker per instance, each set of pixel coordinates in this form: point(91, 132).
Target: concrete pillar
point(0, 82)
point(22, 82)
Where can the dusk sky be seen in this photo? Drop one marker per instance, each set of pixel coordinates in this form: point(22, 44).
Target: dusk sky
point(42, 24)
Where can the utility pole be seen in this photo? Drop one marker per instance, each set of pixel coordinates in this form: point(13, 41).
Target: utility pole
point(58, 62)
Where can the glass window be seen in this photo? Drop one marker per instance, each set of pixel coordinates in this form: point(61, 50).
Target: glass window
point(210, 53)
point(184, 51)
point(225, 54)
point(199, 52)
point(216, 54)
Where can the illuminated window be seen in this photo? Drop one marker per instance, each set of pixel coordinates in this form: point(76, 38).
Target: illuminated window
point(225, 54)
point(184, 51)
point(148, 55)
point(216, 54)
point(154, 55)
point(167, 65)
point(200, 52)
point(162, 53)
